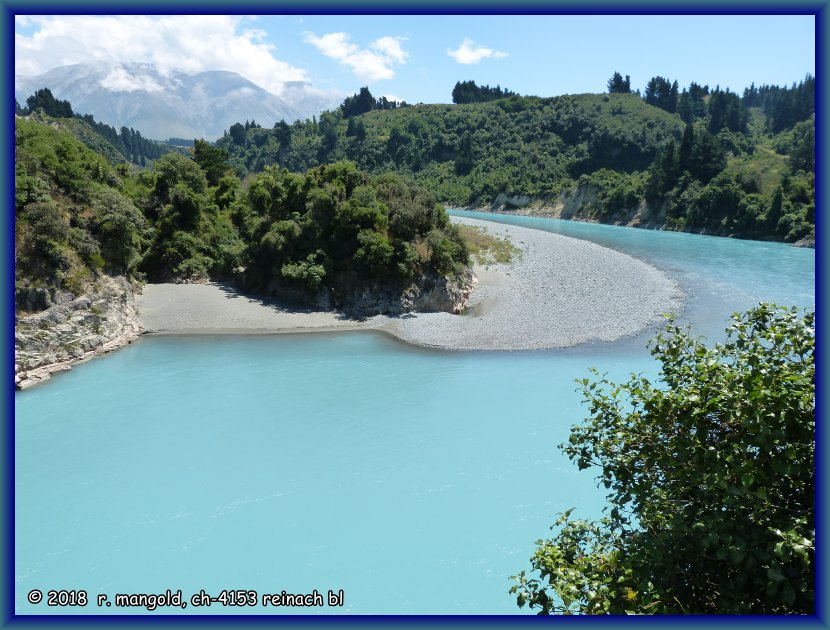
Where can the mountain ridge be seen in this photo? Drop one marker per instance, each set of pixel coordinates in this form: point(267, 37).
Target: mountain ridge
point(173, 104)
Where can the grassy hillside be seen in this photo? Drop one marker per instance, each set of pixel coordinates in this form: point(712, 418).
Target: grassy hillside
point(606, 157)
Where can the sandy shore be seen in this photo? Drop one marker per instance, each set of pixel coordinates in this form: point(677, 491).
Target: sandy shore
point(218, 309)
point(558, 292)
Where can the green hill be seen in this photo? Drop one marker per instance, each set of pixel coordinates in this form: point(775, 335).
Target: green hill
point(604, 157)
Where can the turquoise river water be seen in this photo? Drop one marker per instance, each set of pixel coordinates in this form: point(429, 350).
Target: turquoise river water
point(415, 481)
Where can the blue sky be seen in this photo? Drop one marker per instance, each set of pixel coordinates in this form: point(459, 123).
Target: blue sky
point(419, 58)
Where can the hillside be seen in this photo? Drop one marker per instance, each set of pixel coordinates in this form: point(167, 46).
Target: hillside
point(329, 235)
point(722, 168)
point(124, 145)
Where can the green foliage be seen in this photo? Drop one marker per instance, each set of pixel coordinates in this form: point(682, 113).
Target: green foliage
point(364, 102)
point(618, 85)
point(610, 193)
point(726, 112)
point(549, 148)
point(121, 229)
point(335, 227)
point(783, 106)
point(468, 154)
point(800, 145)
point(448, 253)
point(711, 473)
point(661, 93)
point(691, 104)
point(117, 146)
point(701, 186)
point(468, 92)
point(129, 143)
point(213, 161)
point(306, 272)
point(44, 101)
point(173, 169)
point(72, 221)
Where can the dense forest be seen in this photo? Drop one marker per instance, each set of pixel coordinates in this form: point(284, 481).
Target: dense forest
point(693, 159)
point(326, 232)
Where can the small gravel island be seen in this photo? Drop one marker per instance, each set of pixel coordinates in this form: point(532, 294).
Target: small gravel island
point(556, 292)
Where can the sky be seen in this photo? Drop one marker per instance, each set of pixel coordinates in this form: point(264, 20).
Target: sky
point(420, 58)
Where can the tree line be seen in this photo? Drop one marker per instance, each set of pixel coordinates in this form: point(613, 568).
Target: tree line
point(695, 158)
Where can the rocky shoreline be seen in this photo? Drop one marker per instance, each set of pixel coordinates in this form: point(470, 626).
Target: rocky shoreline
point(74, 329)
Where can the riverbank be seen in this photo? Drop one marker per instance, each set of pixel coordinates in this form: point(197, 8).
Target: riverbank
point(557, 292)
point(74, 330)
point(646, 221)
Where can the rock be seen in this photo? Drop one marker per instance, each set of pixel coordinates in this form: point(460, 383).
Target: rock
point(512, 201)
point(33, 299)
point(427, 293)
point(69, 331)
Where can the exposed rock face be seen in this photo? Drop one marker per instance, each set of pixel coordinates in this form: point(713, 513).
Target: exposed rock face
point(72, 329)
point(511, 201)
point(428, 293)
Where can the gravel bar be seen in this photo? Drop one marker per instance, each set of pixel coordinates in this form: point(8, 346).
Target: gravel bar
point(558, 292)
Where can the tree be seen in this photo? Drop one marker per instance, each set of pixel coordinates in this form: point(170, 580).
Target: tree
point(212, 160)
point(356, 130)
point(616, 84)
point(238, 133)
point(358, 104)
point(173, 168)
point(43, 100)
point(469, 92)
point(774, 212)
point(726, 111)
point(711, 474)
point(661, 93)
point(282, 134)
point(121, 229)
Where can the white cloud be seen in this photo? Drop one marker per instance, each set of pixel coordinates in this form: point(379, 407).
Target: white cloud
point(391, 47)
point(187, 43)
point(119, 80)
point(469, 52)
point(369, 65)
point(393, 97)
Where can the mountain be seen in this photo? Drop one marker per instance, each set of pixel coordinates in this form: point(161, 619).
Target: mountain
point(174, 104)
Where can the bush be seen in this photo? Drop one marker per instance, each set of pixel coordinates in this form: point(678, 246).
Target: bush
point(711, 476)
point(307, 273)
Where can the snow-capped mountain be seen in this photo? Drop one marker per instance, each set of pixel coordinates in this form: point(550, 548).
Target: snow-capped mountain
point(173, 104)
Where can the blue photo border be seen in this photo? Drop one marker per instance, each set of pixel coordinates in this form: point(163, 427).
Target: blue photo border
point(9, 8)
